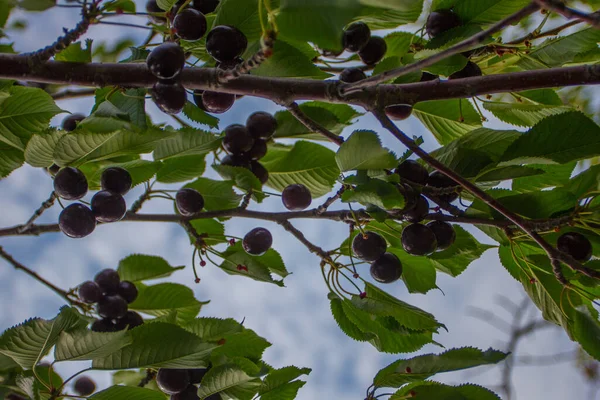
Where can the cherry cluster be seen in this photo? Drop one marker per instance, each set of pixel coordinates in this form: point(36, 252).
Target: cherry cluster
point(247, 144)
point(111, 296)
point(108, 205)
point(182, 384)
point(225, 44)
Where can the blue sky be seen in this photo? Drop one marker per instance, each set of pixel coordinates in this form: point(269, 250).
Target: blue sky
point(296, 319)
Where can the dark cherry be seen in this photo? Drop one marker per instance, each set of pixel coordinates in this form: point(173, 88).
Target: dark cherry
point(190, 24)
point(259, 171)
point(53, 169)
point(112, 306)
point(90, 292)
point(217, 103)
point(152, 7)
point(76, 221)
point(369, 246)
point(189, 201)
point(225, 43)
point(205, 6)
point(189, 393)
point(116, 180)
point(576, 245)
point(127, 291)
point(351, 75)
point(257, 241)
point(70, 122)
point(441, 21)
point(172, 381)
point(130, 320)
point(418, 240)
point(166, 60)
point(198, 99)
point(108, 280)
point(440, 181)
point(412, 171)
point(374, 51)
point(108, 207)
point(70, 184)
point(470, 70)
point(419, 211)
point(103, 325)
point(170, 97)
point(296, 197)
point(426, 77)
point(196, 374)
point(386, 269)
point(258, 150)
point(261, 125)
point(237, 139)
point(234, 160)
point(398, 112)
point(444, 234)
point(84, 386)
point(356, 36)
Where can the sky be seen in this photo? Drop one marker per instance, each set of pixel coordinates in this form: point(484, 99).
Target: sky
point(295, 319)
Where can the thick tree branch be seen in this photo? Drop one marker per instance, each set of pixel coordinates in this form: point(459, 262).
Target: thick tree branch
point(286, 90)
point(558, 6)
point(460, 47)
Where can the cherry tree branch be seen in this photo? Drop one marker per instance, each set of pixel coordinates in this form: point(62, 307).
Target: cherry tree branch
point(73, 94)
point(313, 248)
point(45, 205)
point(460, 47)
point(313, 126)
point(17, 265)
point(286, 90)
point(559, 7)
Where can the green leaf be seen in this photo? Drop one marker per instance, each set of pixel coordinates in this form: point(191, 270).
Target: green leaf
point(131, 102)
point(75, 53)
point(289, 62)
point(243, 178)
point(557, 139)
point(316, 21)
point(382, 194)
point(221, 378)
point(437, 391)
point(166, 4)
point(241, 344)
point(259, 268)
point(140, 267)
point(36, 5)
point(73, 148)
point(186, 142)
point(40, 148)
point(345, 324)
point(213, 231)
point(507, 173)
point(163, 298)
point(587, 331)
point(181, 169)
point(402, 12)
point(424, 366)
point(149, 348)
point(25, 112)
point(128, 393)
point(200, 116)
point(442, 118)
point(27, 343)
point(363, 151)
point(276, 385)
point(213, 329)
point(334, 117)
point(307, 163)
point(523, 114)
point(405, 6)
point(83, 344)
point(487, 11)
point(554, 175)
point(243, 14)
point(218, 195)
point(10, 159)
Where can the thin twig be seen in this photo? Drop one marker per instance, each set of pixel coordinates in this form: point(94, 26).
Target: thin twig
point(313, 126)
point(34, 275)
point(460, 47)
point(323, 207)
point(150, 375)
point(137, 205)
point(559, 7)
point(550, 32)
point(45, 205)
point(309, 245)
